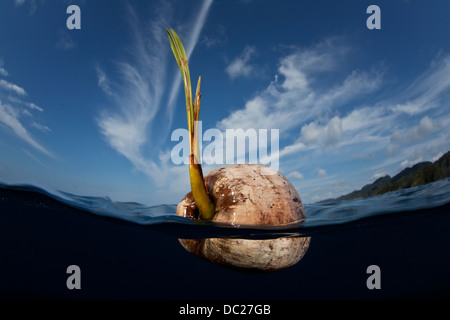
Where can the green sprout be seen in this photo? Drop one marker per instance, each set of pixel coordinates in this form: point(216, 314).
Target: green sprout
point(202, 200)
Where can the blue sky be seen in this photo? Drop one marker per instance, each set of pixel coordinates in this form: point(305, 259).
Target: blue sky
point(91, 111)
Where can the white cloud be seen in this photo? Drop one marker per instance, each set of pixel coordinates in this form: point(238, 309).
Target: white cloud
point(103, 82)
point(292, 149)
point(408, 107)
point(215, 37)
point(41, 127)
point(240, 66)
point(424, 93)
point(192, 38)
point(295, 97)
point(378, 175)
point(3, 72)
point(326, 135)
point(65, 42)
point(19, 101)
point(295, 175)
point(333, 131)
point(422, 130)
point(311, 133)
point(12, 87)
point(137, 95)
point(333, 125)
point(10, 117)
point(141, 87)
point(33, 157)
point(33, 106)
point(33, 5)
point(18, 105)
point(321, 172)
point(363, 118)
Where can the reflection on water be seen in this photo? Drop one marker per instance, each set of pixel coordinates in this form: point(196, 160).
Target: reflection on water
point(249, 255)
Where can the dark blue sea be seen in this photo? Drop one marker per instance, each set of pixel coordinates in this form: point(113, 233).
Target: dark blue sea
point(128, 251)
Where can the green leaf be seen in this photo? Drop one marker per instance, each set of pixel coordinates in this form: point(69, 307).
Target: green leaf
point(181, 58)
point(199, 192)
point(179, 44)
point(174, 48)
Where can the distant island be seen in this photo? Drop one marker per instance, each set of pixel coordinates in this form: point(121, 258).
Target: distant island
point(419, 174)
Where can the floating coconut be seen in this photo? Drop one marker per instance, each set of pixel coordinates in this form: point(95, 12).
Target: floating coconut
point(239, 195)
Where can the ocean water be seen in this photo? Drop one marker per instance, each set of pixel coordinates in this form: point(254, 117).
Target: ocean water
point(132, 251)
point(324, 214)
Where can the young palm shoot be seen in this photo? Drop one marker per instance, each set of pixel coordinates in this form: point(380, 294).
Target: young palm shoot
point(202, 200)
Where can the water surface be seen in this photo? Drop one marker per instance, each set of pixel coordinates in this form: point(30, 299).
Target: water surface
point(131, 251)
point(320, 216)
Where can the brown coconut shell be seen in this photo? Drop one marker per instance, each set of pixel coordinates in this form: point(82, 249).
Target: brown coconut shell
point(249, 194)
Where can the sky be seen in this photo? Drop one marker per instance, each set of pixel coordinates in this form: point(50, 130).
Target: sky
point(92, 111)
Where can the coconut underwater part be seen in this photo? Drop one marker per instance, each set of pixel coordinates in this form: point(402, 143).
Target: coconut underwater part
point(249, 195)
point(239, 195)
point(253, 256)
